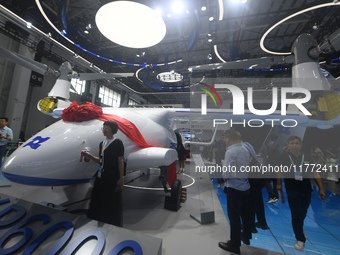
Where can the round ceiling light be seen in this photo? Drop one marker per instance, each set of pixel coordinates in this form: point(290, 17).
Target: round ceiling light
point(169, 77)
point(130, 24)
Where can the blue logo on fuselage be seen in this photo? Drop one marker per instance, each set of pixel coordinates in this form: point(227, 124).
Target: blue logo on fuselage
point(36, 142)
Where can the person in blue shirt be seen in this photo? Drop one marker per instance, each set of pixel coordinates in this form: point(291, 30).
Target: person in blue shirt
point(6, 135)
point(238, 189)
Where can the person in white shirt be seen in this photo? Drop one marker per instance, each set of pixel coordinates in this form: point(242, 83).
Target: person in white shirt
point(6, 135)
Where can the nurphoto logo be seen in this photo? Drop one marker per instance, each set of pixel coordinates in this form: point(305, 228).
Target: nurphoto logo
point(238, 99)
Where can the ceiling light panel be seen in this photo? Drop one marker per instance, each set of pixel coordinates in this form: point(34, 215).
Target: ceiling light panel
point(130, 24)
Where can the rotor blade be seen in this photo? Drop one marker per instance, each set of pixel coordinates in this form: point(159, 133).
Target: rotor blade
point(26, 62)
point(256, 63)
point(97, 76)
point(333, 41)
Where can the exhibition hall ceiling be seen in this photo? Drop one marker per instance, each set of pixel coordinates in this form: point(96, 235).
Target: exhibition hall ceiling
point(227, 30)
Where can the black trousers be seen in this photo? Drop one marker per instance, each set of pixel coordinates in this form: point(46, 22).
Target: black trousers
point(271, 189)
point(298, 203)
point(106, 204)
point(256, 206)
point(238, 213)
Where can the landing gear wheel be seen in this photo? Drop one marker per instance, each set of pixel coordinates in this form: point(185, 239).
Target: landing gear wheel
point(176, 190)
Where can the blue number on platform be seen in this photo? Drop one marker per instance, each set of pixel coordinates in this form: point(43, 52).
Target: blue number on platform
point(20, 230)
point(4, 201)
point(21, 211)
point(127, 244)
point(85, 237)
point(61, 242)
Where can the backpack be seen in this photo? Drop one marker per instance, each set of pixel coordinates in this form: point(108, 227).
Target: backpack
point(273, 154)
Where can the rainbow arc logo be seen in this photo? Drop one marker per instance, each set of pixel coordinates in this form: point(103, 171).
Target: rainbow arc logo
point(211, 91)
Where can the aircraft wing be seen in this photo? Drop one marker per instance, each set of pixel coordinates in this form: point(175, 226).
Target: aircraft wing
point(44, 69)
point(96, 76)
point(226, 116)
point(255, 63)
point(26, 62)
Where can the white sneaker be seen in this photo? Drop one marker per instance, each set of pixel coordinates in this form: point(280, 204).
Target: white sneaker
point(272, 200)
point(299, 246)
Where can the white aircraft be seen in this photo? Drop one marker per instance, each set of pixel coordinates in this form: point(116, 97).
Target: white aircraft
point(51, 157)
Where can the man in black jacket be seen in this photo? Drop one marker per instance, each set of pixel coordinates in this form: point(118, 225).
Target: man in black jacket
point(298, 186)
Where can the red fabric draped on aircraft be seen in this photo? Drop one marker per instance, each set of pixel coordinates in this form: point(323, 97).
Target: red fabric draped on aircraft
point(79, 113)
point(89, 111)
point(172, 176)
point(128, 128)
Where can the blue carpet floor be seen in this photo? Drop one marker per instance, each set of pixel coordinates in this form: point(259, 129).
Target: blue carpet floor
point(322, 225)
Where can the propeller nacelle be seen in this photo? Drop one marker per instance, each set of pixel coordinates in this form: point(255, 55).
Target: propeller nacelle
point(306, 72)
point(58, 97)
point(53, 106)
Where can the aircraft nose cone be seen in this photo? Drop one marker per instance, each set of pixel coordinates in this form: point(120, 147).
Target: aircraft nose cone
point(47, 160)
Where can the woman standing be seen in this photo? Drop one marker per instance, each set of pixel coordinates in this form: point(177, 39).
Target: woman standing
point(181, 153)
point(106, 199)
